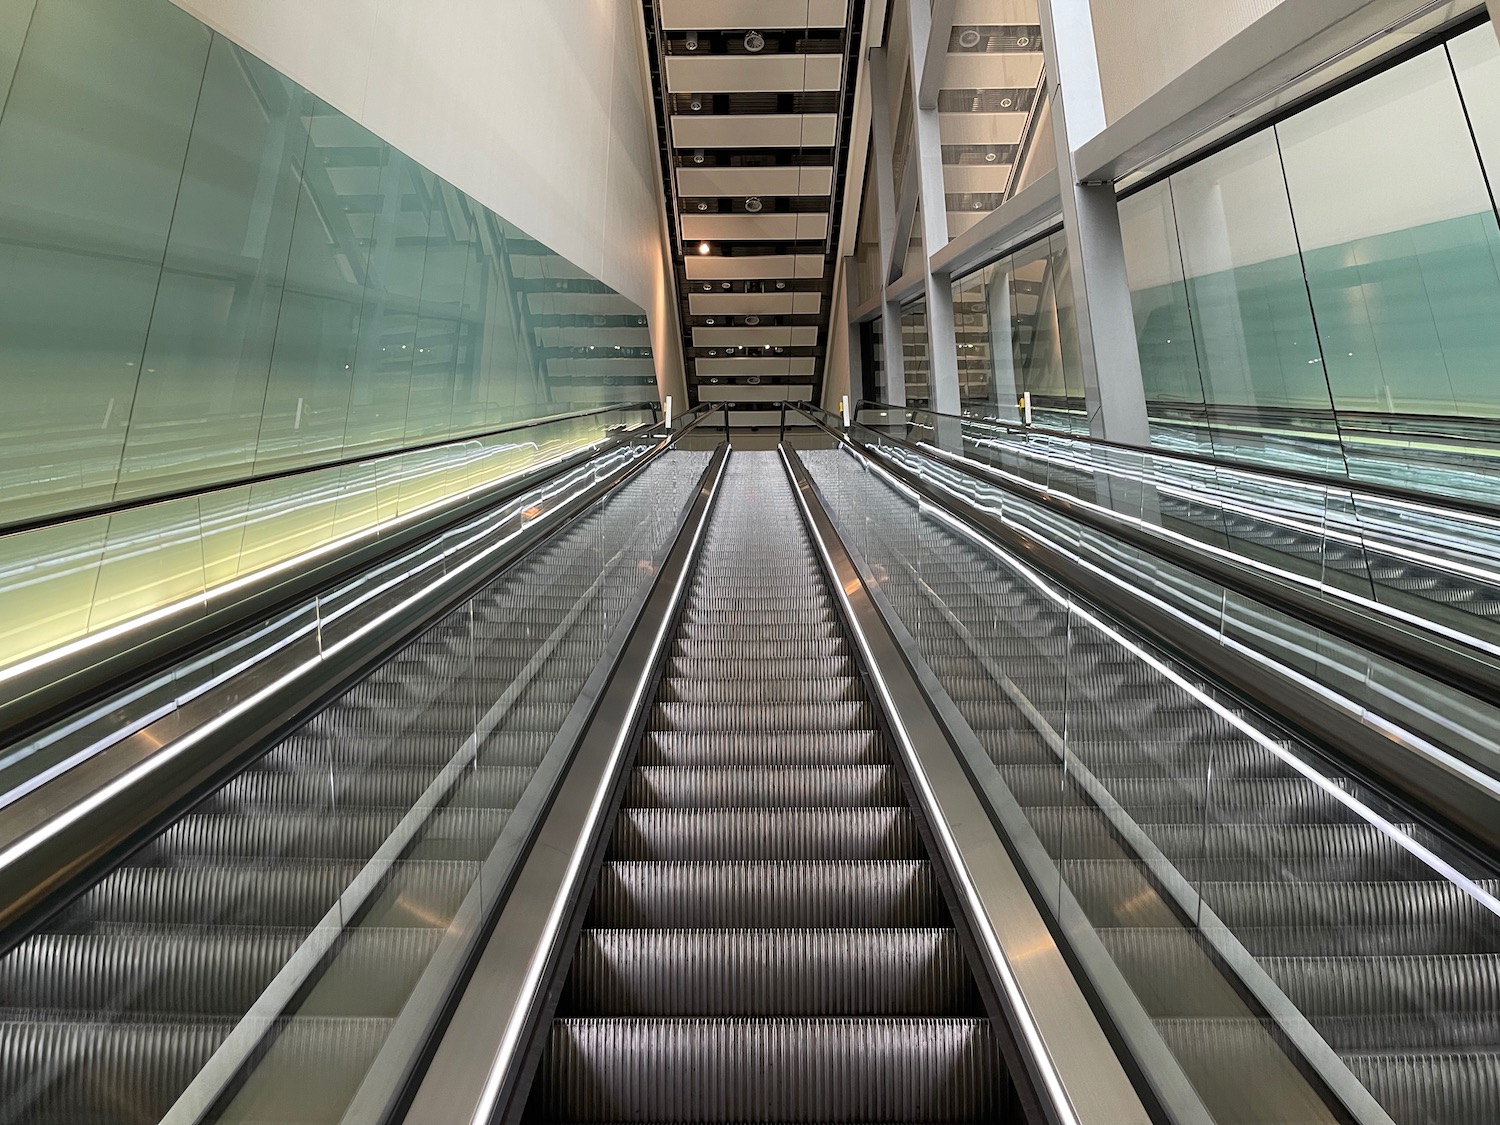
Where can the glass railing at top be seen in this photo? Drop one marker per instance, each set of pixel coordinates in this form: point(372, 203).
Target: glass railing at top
point(70, 583)
point(1274, 941)
point(1430, 565)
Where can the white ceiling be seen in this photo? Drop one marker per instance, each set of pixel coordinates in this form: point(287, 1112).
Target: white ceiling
point(754, 137)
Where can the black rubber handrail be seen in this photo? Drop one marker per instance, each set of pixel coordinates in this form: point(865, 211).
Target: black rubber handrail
point(114, 508)
point(1301, 476)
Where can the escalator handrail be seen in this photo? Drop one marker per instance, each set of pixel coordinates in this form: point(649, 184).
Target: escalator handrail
point(74, 515)
point(1415, 497)
point(63, 836)
point(1446, 659)
point(482, 1055)
point(48, 688)
point(1450, 792)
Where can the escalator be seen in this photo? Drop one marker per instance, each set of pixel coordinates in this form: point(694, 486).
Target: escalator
point(342, 855)
point(767, 929)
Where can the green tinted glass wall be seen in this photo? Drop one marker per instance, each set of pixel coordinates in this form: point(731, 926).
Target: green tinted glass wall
point(1017, 336)
point(1326, 292)
point(208, 274)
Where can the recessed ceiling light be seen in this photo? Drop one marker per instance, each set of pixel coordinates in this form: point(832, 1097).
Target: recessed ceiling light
point(1024, 41)
point(968, 38)
point(752, 321)
point(989, 156)
point(703, 248)
point(781, 285)
point(755, 42)
point(709, 322)
point(754, 380)
point(704, 206)
point(1006, 103)
point(753, 204)
point(723, 285)
point(696, 104)
point(692, 41)
point(697, 156)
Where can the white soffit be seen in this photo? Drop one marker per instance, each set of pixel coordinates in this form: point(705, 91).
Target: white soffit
point(788, 337)
point(739, 392)
point(785, 303)
point(768, 266)
point(755, 365)
point(755, 130)
point(755, 181)
point(740, 15)
point(982, 128)
point(783, 227)
point(730, 74)
point(1010, 70)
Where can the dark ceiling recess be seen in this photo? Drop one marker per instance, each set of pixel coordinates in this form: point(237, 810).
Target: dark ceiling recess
point(753, 124)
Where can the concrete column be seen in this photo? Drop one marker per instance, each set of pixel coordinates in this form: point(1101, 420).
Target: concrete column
point(1114, 393)
point(927, 151)
point(882, 142)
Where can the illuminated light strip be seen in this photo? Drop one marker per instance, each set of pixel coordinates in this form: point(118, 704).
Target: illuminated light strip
point(178, 746)
point(82, 644)
point(1020, 1008)
point(1343, 796)
point(1377, 608)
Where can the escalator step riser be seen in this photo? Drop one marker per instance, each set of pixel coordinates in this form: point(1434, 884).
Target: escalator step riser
point(852, 1070)
point(753, 635)
point(764, 717)
point(755, 748)
point(321, 835)
point(719, 787)
point(814, 650)
point(761, 894)
point(486, 787)
point(813, 689)
point(765, 834)
point(770, 670)
point(770, 972)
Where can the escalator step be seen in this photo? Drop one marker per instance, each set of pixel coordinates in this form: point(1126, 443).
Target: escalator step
point(762, 834)
point(834, 1070)
point(763, 748)
point(773, 787)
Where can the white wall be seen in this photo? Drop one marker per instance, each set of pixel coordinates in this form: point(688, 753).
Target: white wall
point(1144, 44)
point(540, 109)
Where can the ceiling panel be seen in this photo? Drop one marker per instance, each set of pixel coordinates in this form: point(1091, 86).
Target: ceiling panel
point(768, 266)
point(740, 15)
point(725, 74)
point(966, 178)
point(755, 130)
point(770, 392)
point(755, 337)
point(744, 367)
point(982, 128)
point(782, 227)
point(755, 181)
point(739, 304)
point(1010, 70)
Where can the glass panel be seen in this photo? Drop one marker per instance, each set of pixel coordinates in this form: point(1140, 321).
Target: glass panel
point(914, 348)
point(197, 414)
point(90, 160)
point(1403, 277)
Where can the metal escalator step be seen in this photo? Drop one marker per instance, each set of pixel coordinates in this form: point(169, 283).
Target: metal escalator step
point(766, 670)
point(464, 833)
point(765, 834)
point(722, 634)
point(760, 748)
point(764, 716)
point(486, 786)
point(773, 787)
point(808, 689)
point(1451, 1087)
point(844, 1070)
point(1165, 800)
point(914, 972)
point(811, 649)
point(194, 973)
point(1372, 988)
point(277, 893)
point(766, 618)
point(767, 893)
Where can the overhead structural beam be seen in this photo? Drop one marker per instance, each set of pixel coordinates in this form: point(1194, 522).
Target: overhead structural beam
point(1114, 393)
point(894, 355)
point(927, 155)
point(935, 58)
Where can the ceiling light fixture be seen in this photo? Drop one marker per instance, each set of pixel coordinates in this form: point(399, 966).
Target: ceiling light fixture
point(692, 41)
point(754, 380)
point(781, 285)
point(755, 42)
point(704, 206)
point(703, 248)
point(723, 285)
point(968, 38)
point(696, 104)
point(752, 321)
point(753, 204)
point(697, 156)
point(990, 157)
